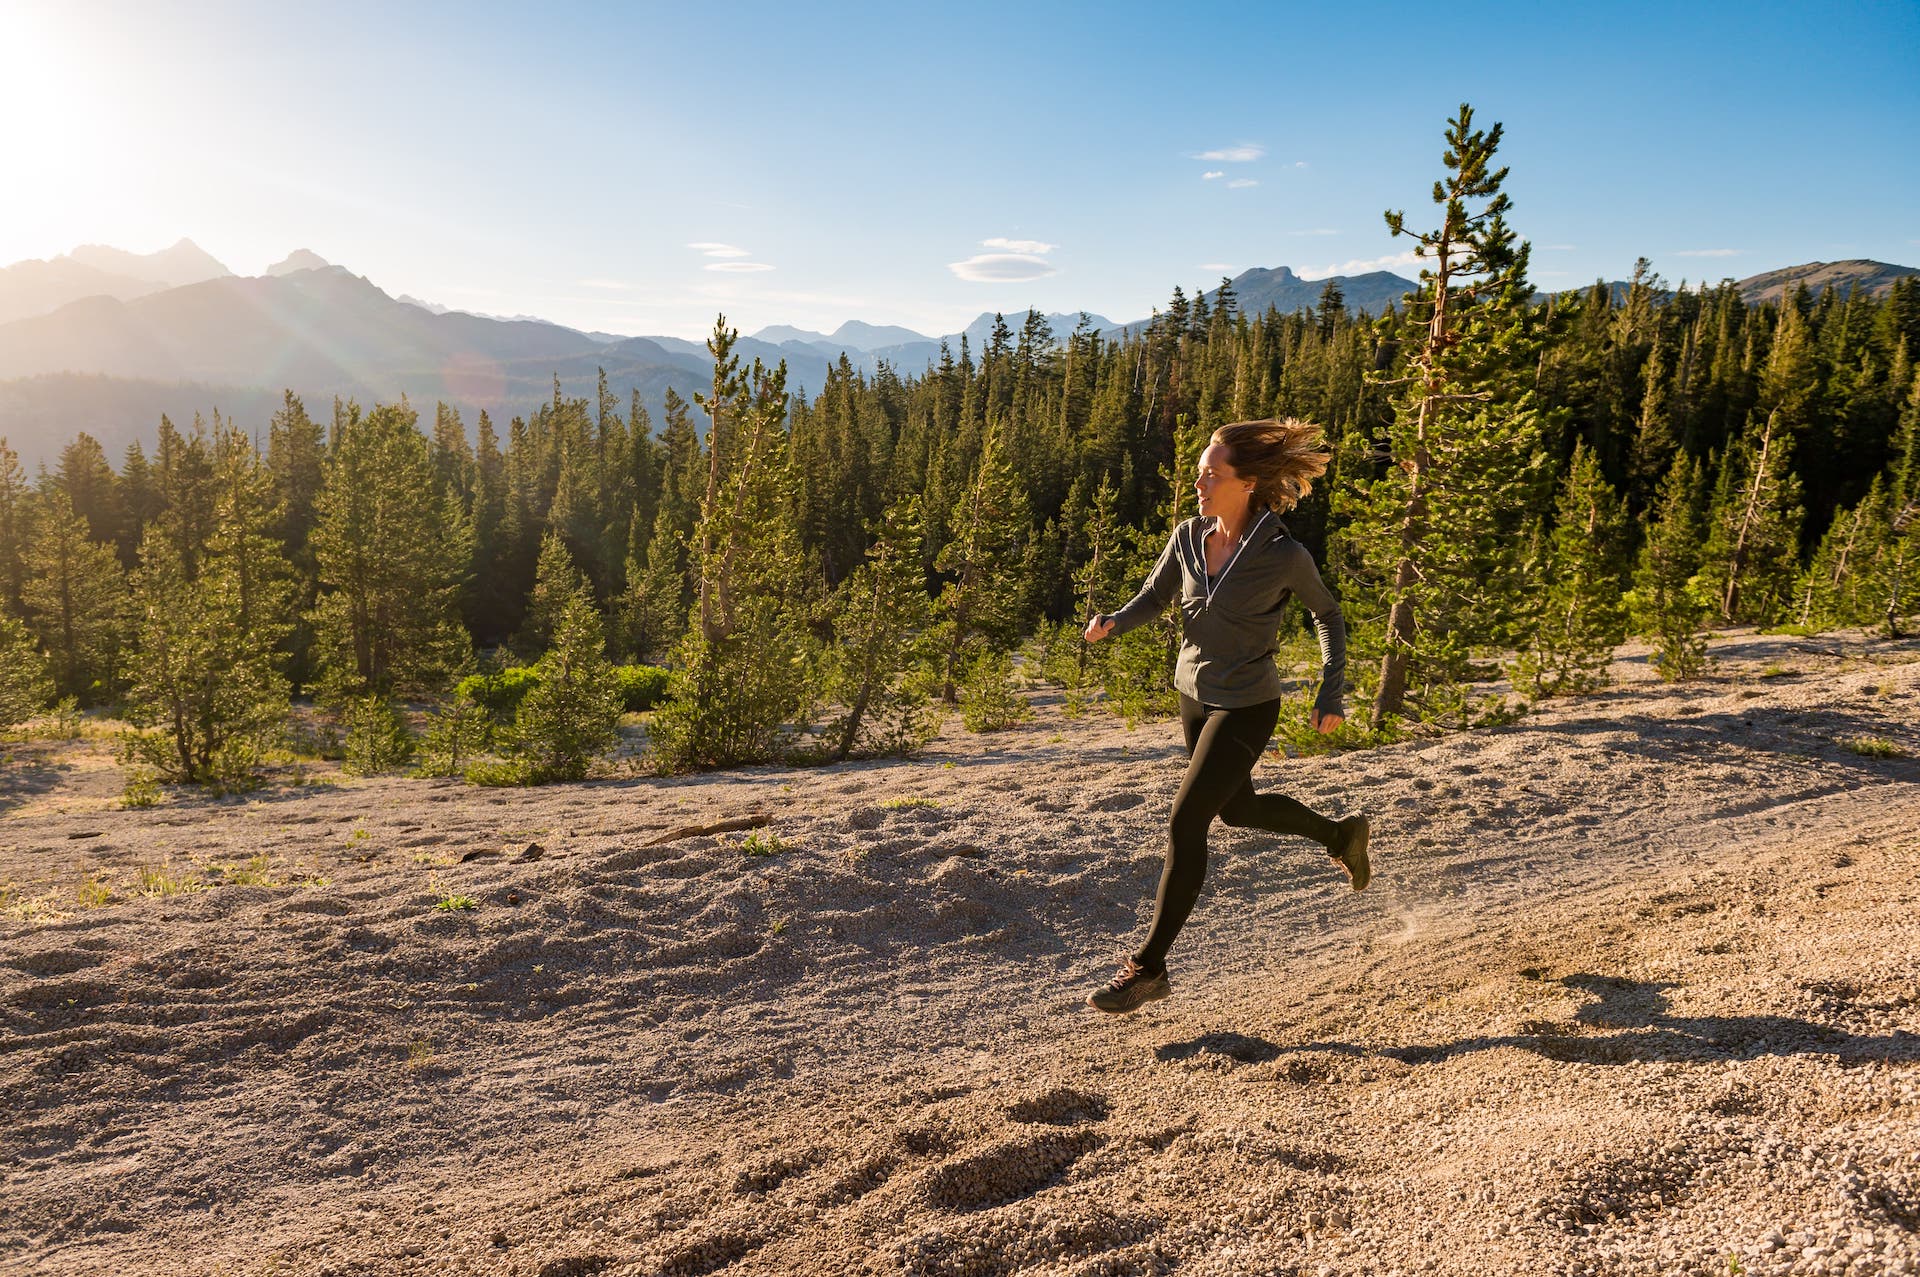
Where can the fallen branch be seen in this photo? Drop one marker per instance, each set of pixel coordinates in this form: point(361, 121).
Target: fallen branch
point(717, 827)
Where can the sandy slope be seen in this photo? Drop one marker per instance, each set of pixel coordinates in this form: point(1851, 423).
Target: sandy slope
point(1636, 989)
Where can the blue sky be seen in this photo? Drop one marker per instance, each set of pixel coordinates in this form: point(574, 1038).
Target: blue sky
point(637, 168)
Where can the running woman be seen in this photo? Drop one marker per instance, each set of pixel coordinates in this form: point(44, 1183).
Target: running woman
point(1231, 570)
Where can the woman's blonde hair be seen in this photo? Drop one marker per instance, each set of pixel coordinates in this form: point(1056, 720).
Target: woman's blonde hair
point(1282, 456)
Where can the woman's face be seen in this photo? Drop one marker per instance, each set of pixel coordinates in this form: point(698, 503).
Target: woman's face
point(1223, 493)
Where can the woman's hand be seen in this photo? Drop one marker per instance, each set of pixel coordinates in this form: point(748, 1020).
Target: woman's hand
point(1098, 628)
point(1325, 723)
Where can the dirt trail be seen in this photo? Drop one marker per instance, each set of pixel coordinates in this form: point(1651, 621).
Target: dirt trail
point(1636, 989)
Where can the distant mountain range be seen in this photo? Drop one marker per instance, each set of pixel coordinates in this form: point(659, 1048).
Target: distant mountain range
point(105, 341)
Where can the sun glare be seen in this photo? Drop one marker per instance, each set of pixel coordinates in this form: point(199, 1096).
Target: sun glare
point(61, 114)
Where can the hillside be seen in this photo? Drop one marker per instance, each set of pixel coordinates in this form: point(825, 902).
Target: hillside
point(1632, 993)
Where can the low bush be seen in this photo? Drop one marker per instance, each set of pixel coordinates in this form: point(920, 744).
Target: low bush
point(641, 687)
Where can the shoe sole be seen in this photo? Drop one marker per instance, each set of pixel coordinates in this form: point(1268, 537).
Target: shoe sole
point(1360, 873)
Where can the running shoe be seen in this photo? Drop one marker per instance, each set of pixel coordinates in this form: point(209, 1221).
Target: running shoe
point(1133, 986)
point(1349, 851)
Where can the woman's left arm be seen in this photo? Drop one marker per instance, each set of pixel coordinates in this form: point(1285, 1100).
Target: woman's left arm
point(1329, 626)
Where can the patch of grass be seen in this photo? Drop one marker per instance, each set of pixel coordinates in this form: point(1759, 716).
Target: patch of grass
point(451, 901)
point(256, 872)
point(1873, 747)
point(777, 926)
point(17, 904)
point(762, 843)
point(141, 790)
point(420, 1053)
point(1776, 671)
point(358, 835)
point(901, 804)
point(93, 892)
point(161, 880)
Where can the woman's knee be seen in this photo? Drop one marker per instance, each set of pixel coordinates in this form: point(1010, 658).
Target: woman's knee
point(1188, 823)
point(1242, 810)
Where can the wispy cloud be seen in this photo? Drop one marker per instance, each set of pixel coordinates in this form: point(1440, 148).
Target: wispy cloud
point(1244, 153)
point(1300, 164)
point(1317, 230)
point(604, 283)
point(1361, 265)
point(738, 268)
point(1002, 268)
point(1212, 173)
point(1018, 245)
point(711, 249)
point(1708, 252)
point(1241, 183)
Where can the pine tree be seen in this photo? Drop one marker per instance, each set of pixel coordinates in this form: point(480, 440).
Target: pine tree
point(1581, 615)
point(978, 608)
point(484, 598)
point(16, 530)
point(1664, 605)
point(87, 478)
point(183, 473)
point(25, 684)
point(742, 676)
point(1900, 541)
point(207, 682)
point(881, 615)
point(391, 559)
point(1839, 586)
point(76, 601)
point(556, 580)
point(205, 689)
point(1752, 552)
point(1434, 538)
point(1100, 582)
point(571, 715)
point(653, 611)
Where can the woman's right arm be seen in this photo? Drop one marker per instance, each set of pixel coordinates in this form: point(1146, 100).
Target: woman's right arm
point(1163, 584)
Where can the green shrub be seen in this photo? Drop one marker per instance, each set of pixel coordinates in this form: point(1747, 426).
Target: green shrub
point(457, 732)
point(988, 701)
point(499, 692)
point(641, 687)
point(142, 788)
point(378, 739)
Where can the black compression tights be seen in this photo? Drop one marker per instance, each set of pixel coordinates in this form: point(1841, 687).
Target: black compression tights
point(1223, 745)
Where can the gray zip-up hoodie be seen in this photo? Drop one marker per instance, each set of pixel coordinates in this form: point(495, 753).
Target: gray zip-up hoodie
point(1226, 649)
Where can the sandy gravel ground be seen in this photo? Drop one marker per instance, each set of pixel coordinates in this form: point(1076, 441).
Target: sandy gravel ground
point(1636, 990)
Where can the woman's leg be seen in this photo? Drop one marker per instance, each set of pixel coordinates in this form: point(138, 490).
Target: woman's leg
point(1223, 744)
point(1277, 814)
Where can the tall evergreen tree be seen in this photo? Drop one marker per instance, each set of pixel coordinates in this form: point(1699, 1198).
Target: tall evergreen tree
point(75, 599)
point(1664, 605)
point(25, 685)
point(571, 715)
point(880, 618)
point(1433, 538)
point(979, 606)
point(1580, 615)
point(391, 558)
point(1753, 537)
point(743, 674)
point(16, 530)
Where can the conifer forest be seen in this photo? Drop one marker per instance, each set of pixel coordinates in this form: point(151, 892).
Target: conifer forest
point(1520, 482)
